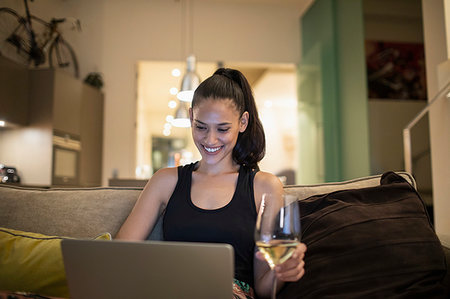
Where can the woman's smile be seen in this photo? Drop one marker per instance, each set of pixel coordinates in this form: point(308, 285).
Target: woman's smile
point(212, 150)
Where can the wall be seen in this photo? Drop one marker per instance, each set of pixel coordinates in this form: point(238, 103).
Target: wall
point(117, 34)
point(387, 120)
point(276, 97)
point(397, 21)
point(437, 53)
point(333, 101)
point(354, 121)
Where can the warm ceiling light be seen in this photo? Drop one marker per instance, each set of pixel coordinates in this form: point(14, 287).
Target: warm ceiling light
point(2, 123)
point(176, 73)
point(173, 90)
point(172, 104)
point(166, 132)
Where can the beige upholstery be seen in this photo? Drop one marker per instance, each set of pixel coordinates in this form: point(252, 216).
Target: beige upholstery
point(80, 213)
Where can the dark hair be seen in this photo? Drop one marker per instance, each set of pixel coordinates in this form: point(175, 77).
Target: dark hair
point(231, 84)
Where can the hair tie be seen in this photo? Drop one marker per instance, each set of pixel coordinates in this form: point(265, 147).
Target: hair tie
point(230, 74)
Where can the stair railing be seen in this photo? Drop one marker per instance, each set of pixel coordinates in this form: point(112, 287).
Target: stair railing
point(407, 130)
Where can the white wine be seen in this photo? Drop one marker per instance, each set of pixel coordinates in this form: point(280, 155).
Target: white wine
point(277, 251)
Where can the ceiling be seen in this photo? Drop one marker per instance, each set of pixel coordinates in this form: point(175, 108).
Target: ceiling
point(299, 5)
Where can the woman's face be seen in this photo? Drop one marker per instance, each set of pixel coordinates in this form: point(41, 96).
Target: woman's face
point(215, 128)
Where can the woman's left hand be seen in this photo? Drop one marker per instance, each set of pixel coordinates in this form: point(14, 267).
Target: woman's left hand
point(292, 269)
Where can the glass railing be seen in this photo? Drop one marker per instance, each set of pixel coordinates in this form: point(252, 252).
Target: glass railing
point(443, 94)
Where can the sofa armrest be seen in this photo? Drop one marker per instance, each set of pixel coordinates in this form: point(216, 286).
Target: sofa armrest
point(445, 241)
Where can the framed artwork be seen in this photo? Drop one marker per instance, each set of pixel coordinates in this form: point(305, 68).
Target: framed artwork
point(395, 70)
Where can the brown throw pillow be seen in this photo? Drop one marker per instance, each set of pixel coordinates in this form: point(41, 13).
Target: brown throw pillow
point(373, 242)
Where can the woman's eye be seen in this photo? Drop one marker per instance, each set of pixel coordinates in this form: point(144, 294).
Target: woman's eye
point(200, 127)
point(223, 130)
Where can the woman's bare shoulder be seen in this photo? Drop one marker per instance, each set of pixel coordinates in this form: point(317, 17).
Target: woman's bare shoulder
point(167, 173)
point(162, 183)
point(267, 181)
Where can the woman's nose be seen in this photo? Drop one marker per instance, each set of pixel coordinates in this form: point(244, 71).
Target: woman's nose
point(211, 138)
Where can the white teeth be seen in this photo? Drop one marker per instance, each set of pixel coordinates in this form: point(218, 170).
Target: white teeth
point(212, 150)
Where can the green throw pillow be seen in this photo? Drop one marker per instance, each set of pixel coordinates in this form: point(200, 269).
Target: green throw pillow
point(32, 263)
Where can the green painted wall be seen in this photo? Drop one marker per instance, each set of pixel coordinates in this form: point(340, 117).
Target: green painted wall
point(333, 106)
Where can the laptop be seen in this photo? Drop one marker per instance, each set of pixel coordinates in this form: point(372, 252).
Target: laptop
point(148, 269)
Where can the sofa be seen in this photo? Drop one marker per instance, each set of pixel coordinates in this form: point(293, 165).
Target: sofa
point(370, 236)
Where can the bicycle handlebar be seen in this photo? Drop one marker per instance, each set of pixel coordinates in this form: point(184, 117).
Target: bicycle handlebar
point(58, 20)
point(75, 22)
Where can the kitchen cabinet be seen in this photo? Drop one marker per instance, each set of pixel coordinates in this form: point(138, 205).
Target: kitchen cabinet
point(74, 111)
point(61, 140)
point(13, 92)
point(91, 136)
point(67, 98)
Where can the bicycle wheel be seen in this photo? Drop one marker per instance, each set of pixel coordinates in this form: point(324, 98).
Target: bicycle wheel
point(14, 38)
point(61, 55)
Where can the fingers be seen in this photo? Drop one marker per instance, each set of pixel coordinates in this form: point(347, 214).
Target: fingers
point(259, 255)
point(290, 274)
point(293, 268)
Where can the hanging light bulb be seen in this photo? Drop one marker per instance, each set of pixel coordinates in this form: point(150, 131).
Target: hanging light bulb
point(181, 118)
point(190, 81)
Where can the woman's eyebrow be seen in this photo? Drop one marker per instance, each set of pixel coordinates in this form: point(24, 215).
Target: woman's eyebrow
point(221, 124)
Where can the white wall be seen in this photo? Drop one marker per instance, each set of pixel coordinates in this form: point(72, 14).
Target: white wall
point(276, 98)
point(397, 21)
point(30, 151)
point(438, 72)
point(388, 118)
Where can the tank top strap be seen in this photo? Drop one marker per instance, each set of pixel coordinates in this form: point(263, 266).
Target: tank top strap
point(244, 187)
point(184, 178)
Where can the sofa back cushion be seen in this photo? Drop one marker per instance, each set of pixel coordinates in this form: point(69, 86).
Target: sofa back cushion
point(305, 191)
point(78, 212)
point(374, 242)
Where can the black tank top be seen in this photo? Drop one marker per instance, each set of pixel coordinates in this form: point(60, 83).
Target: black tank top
point(233, 224)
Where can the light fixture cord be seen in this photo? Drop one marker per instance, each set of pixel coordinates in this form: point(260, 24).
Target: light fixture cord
point(183, 29)
point(191, 26)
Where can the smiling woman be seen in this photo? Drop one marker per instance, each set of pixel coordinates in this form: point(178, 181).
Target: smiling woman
point(215, 199)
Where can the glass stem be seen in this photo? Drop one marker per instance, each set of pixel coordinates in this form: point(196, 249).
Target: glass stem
point(274, 286)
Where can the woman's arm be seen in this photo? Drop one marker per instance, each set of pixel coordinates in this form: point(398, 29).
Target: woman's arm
point(150, 203)
point(290, 270)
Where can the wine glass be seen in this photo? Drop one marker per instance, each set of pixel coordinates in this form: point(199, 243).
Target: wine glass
point(277, 231)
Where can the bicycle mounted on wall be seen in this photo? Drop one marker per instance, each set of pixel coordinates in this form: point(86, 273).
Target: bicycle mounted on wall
point(30, 40)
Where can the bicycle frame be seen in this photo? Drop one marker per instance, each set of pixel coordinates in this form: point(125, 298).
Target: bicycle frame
point(37, 45)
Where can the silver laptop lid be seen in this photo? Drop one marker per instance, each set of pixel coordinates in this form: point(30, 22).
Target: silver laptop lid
point(149, 269)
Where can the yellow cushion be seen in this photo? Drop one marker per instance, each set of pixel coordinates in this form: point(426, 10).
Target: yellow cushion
point(32, 263)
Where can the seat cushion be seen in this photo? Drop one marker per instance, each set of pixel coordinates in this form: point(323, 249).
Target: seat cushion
point(32, 263)
point(374, 242)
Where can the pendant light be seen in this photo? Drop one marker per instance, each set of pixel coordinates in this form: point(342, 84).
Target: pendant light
point(181, 118)
point(191, 79)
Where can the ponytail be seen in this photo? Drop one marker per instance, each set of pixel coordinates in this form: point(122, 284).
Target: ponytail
point(232, 84)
